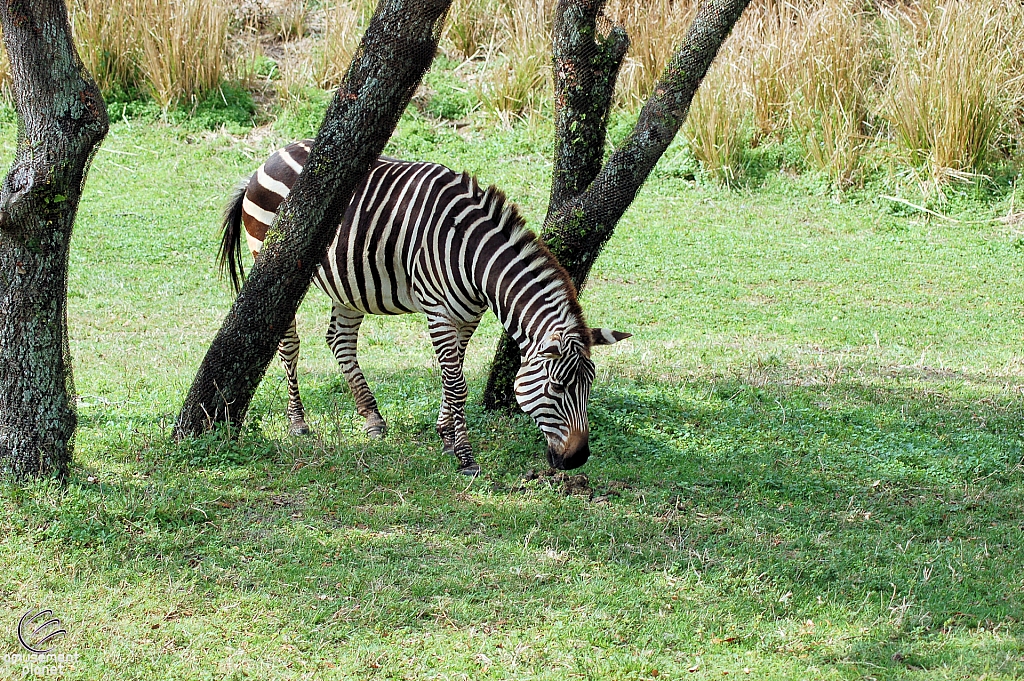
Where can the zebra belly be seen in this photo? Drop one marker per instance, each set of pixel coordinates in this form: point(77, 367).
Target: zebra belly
point(380, 288)
point(402, 296)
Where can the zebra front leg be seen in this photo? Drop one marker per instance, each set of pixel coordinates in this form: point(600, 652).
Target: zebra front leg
point(288, 351)
point(342, 336)
point(451, 423)
point(445, 425)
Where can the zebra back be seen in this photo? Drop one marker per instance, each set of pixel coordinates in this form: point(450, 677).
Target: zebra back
point(404, 211)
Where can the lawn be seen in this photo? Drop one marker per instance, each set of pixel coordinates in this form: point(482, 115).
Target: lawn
point(807, 460)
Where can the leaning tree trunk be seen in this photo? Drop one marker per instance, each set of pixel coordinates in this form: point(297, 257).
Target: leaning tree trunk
point(588, 200)
point(396, 51)
point(61, 122)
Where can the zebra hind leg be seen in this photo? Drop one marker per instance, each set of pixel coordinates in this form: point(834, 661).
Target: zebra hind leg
point(288, 351)
point(449, 342)
point(342, 336)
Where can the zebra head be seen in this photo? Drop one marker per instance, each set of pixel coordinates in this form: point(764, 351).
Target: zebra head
point(553, 386)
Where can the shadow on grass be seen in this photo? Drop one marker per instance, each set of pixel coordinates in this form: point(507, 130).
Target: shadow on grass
point(892, 512)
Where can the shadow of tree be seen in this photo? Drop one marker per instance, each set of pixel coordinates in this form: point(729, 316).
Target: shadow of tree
point(891, 512)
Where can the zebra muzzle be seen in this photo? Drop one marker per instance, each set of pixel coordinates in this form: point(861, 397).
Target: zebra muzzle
point(573, 455)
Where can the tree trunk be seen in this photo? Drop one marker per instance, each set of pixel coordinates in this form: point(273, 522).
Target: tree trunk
point(582, 215)
point(586, 66)
point(396, 51)
point(61, 122)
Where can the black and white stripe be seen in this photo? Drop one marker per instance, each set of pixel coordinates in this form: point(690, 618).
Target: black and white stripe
point(418, 237)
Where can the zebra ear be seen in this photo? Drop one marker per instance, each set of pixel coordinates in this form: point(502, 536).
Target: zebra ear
point(607, 336)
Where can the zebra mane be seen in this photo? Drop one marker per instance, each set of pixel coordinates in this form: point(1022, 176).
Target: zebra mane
point(511, 222)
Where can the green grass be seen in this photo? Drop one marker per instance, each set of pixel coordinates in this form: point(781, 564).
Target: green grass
point(807, 459)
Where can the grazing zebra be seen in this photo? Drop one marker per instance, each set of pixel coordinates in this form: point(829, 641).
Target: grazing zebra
point(418, 237)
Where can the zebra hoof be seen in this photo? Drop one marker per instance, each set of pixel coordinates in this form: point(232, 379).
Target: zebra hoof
point(470, 469)
point(299, 428)
point(376, 432)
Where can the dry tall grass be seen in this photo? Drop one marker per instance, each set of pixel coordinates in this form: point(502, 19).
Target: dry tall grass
point(520, 79)
point(943, 79)
point(289, 22)
point(472, 29)
point(5, 73)
point(789, 70)
point(764, 46)
point(339, 41)
point(716, 127)
point(817, 69)
point(184, 48)
point(174, 49)
point(108, 40)
point(655, 28)
point(957, 86)
point(828, 100)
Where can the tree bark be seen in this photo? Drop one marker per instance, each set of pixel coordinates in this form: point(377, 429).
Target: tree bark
point(582, 216)
point(586, 67)
point(396, 51)
point(61, 122)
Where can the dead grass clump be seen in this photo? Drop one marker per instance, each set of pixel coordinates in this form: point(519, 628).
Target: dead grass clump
point(655, 29)
point(289, 22)
point(944, 79)
point(956, 85)
point(787, 69)
point(175, 49)
point(766, 39)
point(5, 73)
point(108, 40)
point(183, 49)
point(830, 77)
point(472, 28)
point(339, 41)
point(717, 125)
point(519, 80)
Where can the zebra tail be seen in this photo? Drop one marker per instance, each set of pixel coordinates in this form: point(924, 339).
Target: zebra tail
point(229, 257)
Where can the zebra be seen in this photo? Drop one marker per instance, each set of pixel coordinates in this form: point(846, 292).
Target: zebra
point(419, 237)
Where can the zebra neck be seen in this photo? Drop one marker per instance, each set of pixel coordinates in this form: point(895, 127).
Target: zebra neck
point(532, 303)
